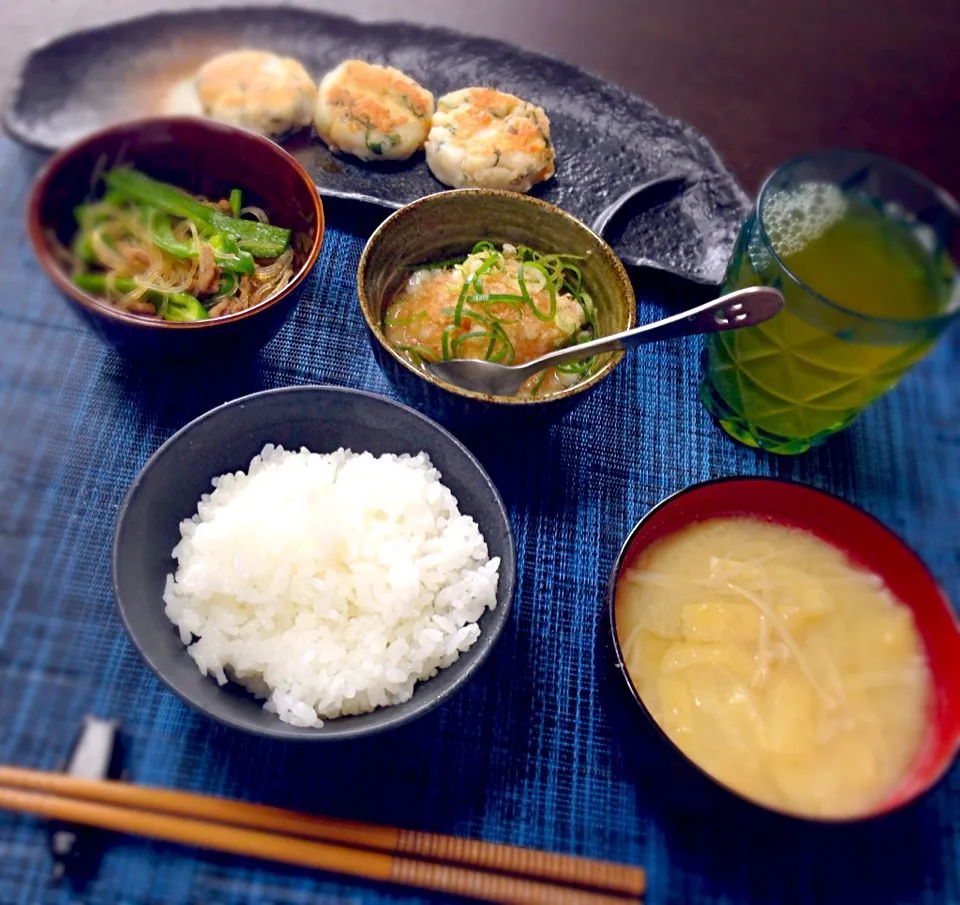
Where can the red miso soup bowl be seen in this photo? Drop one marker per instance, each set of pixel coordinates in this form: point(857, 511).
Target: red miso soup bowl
point(867, 543)
point(204, 158)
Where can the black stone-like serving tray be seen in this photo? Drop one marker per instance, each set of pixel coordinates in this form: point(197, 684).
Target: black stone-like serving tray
point(607, 141)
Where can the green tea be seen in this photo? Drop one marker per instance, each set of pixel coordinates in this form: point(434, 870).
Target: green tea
point(870, 263)
point(788, 383)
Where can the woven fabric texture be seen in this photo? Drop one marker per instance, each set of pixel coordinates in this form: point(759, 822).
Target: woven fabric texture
point(541, 749)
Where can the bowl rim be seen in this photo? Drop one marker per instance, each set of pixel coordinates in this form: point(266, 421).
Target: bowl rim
point(336, 729)
point(371, 246)
point(882, 809)
point(60, 160)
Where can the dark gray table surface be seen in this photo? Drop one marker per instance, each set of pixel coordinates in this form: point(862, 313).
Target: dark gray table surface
point(764, 80)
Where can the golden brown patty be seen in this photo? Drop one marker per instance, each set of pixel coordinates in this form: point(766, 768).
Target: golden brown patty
point(264, 92)
point(372, 112)
point(483, 137)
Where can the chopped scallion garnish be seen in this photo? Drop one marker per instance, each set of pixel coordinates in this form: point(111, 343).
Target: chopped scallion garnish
point(482, 309)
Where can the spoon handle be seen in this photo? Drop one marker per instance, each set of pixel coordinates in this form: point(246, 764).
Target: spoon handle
point(743, 308)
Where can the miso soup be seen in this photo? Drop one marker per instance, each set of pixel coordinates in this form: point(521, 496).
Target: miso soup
point(778, 666)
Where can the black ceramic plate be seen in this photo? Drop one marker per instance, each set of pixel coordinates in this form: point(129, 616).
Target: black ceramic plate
point(607, 140)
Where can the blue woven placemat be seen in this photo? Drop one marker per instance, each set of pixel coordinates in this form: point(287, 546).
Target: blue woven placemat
point(536, 750)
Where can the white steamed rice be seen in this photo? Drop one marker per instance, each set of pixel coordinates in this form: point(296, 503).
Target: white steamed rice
point(329, 584)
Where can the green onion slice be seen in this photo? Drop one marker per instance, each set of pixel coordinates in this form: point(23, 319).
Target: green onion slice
point(420, 352)
point(473, 334)
point(445, 341)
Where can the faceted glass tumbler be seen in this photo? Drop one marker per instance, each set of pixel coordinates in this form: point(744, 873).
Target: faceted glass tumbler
point(790, 383)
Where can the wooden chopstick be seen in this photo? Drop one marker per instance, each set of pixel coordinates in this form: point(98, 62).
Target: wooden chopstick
point(604, 875)
point(265, 832)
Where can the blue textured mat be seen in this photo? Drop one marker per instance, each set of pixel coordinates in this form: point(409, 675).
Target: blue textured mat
point(537, 750)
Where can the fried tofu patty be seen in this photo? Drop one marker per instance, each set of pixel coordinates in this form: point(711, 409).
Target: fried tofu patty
point(269, 94)
point(486, 138)
point(373, 112)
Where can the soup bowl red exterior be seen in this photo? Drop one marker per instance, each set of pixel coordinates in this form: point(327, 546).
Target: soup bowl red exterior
point(203, 157)
point(870, 545)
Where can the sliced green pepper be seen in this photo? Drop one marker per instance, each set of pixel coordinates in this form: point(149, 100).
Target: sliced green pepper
point(171, 306)
point(96, 283)
point(161, 230)
point(260, 239)
point(81, 212)
point(88, 217)
point(228, 255)
point(236, 201)
point(226, 251)
point(228, 286)
point(82, 247)
point(182, 307)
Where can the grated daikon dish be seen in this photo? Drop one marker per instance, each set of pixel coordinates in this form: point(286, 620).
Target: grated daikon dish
point(775, 664)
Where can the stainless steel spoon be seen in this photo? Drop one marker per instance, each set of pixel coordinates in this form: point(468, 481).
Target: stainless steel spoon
point(743, 308)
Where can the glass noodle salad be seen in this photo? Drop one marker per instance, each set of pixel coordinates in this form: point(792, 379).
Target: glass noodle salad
point(152, 249)
point(508, 306)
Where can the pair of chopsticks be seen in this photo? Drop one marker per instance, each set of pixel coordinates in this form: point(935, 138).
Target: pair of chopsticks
point(481, 870)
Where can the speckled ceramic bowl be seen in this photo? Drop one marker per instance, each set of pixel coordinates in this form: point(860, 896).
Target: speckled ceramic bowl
point(448, 224)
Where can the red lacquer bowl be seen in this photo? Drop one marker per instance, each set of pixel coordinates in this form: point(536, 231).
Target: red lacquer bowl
point(868, 543)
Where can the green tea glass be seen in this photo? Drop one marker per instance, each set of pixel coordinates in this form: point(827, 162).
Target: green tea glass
point(865, 298)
